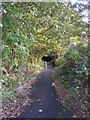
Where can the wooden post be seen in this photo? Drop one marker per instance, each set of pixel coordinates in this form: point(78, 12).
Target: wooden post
point(45, 64)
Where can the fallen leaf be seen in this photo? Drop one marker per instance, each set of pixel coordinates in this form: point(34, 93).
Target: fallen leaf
point(40, 110)
point(52, 84)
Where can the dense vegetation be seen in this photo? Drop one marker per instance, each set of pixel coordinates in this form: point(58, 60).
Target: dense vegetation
point(72, 73)
point(76, 60)
point(31, 30)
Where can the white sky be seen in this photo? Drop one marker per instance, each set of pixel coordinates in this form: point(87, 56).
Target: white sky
point(73, 1)
point(84, 1)
point(85, 12)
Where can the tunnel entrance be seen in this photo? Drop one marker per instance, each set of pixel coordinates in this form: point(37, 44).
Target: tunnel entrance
point(48, 61)
point(50, 58)
point(47, 58)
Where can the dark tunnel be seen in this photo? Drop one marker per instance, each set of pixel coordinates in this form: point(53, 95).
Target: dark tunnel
point(47, 58)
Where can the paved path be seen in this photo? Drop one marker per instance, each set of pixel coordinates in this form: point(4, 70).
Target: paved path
point(46, 104)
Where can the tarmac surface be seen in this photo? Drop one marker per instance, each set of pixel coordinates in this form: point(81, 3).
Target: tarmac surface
point(45, 100)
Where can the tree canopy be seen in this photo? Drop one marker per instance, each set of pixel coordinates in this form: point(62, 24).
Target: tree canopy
point(33, 29)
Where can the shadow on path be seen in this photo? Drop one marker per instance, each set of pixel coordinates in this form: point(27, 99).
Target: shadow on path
point(45, 100)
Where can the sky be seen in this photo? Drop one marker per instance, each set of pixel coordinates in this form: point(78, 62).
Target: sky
point(73, 1)
point(84, 1)
point(85, 12)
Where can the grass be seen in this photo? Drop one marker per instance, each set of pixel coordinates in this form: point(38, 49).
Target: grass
point(10, 83)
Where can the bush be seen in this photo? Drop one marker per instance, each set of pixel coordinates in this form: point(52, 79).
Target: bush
point(60, 61)
point(75, 65)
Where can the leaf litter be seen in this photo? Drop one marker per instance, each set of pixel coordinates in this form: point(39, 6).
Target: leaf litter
point(20, 102)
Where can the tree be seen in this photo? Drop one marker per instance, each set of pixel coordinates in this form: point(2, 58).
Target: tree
point(32, 29)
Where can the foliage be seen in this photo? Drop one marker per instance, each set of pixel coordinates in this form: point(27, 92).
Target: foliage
point(75, 69)
point(31, 30)
point(71, 80)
